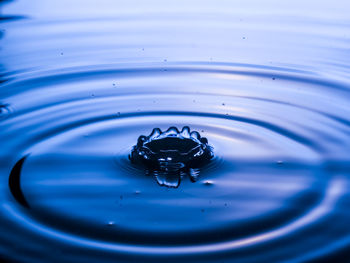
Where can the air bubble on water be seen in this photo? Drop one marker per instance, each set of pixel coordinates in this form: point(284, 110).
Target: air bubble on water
point(280, 162)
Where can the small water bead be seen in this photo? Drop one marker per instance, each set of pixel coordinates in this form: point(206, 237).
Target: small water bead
point(4, 110)
point(111, 223)
point(172, 154)
point(208, 183)
point(2, 107)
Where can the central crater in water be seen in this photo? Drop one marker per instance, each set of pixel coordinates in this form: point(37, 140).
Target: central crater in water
point(172, 154)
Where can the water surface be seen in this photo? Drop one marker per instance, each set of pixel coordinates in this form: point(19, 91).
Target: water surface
point(267, 82)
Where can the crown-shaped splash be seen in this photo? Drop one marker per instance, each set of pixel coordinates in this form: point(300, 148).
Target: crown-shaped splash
point(172, 154)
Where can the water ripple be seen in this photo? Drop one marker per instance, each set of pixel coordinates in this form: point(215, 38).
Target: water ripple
point(266, 89)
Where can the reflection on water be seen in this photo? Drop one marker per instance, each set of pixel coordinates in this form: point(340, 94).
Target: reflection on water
point(265, 82)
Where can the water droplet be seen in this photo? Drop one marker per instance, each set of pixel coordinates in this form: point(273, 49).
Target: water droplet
point(172, 131)
point(185, 132)
point(194, 174)
point(195, 135)
point(111, 223)
point(208, 183)
point(172, 154)
point(155, 133)
point(204, 140)
point(4, 110)
point(279, 162)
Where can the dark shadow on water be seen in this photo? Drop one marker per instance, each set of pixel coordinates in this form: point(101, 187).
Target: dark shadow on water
point(14, 182)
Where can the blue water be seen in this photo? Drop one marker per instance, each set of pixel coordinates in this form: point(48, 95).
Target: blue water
point(266, 82)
